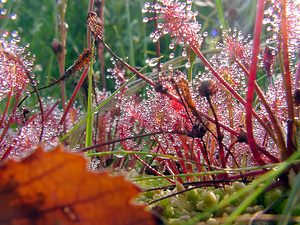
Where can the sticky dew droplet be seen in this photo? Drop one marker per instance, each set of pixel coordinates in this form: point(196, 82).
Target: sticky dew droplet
point(153, 62)
point(187, 65)
point(145, 19)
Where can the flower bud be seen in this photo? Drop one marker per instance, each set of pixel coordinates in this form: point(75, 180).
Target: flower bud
point(207, 88)
point(297, 97)
point(56, 46)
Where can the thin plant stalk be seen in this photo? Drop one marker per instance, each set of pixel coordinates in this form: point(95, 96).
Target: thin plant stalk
point(88, 33)
point(62, 28)
point(72, 99)
point(219, 134)
point(287, 81)
point(96, 109)
point(279, 132)
point(157, 44)
point(129, 33)
point(6, 108)
point(100, 13)
point(6, 128)
point(90, 119)
point(222, 19)
point(251, 81)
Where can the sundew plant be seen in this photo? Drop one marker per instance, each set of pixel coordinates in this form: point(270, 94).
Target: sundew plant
point(212, 115)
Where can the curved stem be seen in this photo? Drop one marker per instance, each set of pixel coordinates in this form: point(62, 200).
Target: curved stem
point(71, 101)
point(251, 82)
point(279, 132)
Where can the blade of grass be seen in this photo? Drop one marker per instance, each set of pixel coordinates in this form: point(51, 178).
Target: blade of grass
point(129, 34)
point(222, 19)
point(90, 119)
point(293, 198)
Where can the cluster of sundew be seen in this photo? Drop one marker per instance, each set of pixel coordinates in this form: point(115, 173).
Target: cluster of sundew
point(15, 63)
point(272, 21)
point(151, 115)
point(158, 113)
point(23, 140)
point(182, 207)
point(234, 47)
point(176, 19)
point(12, 74)
point(230, 113)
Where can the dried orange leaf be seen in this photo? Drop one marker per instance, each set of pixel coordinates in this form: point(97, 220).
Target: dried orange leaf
point(55, 188)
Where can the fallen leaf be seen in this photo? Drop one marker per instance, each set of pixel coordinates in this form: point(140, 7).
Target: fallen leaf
point(53, 188)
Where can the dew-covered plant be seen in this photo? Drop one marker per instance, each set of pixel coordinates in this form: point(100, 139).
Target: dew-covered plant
point(240, 111)
point(224, 116)
point(22, 128)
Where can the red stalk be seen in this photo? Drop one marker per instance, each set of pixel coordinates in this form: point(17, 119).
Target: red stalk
point(5, 130)
point(279, 133)
point(71, 101)
point(251, 82)
point(6, 108)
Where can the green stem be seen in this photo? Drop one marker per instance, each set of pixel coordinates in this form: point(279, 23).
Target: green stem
point(129, 34)
point(90, 119)
point(222, 19)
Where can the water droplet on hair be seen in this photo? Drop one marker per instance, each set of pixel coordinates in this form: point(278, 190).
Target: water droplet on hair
point(118, 156)
point(13, 16)
point(3, 12)
point(14, 34)
point(188, 65)
point(145, 19)
point(144, 10)
point(153, 62)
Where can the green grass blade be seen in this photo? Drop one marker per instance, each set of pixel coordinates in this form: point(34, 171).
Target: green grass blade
point(292, 200)
point(129, 34)
point(222, 19)
point(90, 119)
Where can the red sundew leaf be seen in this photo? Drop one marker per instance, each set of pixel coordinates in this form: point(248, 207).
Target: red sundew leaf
point(55, 188)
